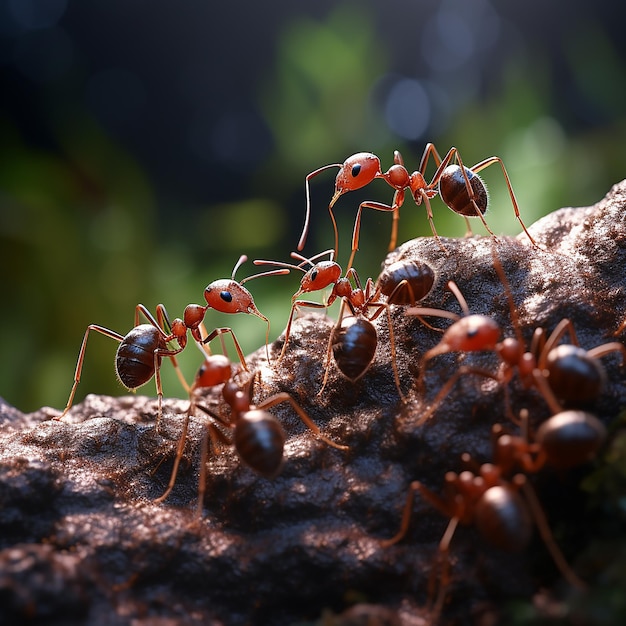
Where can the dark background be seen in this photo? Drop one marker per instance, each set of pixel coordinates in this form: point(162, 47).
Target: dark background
point(145, 145)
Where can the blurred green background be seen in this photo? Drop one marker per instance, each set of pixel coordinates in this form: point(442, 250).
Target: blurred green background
point(145, 145)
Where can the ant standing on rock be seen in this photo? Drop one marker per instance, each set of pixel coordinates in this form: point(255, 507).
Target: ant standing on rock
point(489, 497)
point(257, 435)
point(460, 187)
point(139, 355)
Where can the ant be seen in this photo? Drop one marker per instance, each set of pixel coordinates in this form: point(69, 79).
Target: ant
point(460, 188)
point(563, 374)
point(354, 339)
point(486, 498)
point(566, 440)
point(406, 282)
point(256, 434)
point(139, 355)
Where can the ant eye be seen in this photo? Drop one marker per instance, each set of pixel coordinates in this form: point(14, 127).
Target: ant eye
point(356, 170)
point(226, 296)
point(313, 275)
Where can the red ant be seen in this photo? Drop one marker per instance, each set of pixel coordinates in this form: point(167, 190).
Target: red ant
point(353, 340)
point(563, 374)
point(139, 355)
point(495, 507)
point(460, 187)
point(256, 434)
point(565, 440)
point(490, 501)
point(406, 282)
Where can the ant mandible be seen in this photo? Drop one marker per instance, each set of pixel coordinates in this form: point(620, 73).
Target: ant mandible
point(460, 188)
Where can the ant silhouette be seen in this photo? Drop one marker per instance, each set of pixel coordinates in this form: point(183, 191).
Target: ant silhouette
point(256, 434)
point(139, 355)
point(354, 339)
point(460, 188)
point(563, 374)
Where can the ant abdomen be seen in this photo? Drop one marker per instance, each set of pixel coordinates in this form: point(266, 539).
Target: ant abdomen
point(354, 345)
point(134, 360)
point(502, 517)
point(453, 191)
point(576, 378)
point(406, 282)
point(571, 438)
point(260, 439)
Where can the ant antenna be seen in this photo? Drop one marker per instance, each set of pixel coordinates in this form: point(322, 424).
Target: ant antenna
point(307, 218)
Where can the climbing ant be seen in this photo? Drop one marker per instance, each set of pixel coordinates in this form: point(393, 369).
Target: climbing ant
point(460, 187)
point(565, 375)
point(257, 435)
point(491, 503)
point(353, 340)
point(139, 355)
point(567, 439)
point(486, 498)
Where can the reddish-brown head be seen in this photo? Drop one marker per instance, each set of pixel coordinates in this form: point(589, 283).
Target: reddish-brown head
point(357, 171)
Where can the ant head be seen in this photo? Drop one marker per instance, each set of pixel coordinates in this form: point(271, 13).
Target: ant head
point(320, 276)
point(357, 171)
point(229, 296)
point(215, 370)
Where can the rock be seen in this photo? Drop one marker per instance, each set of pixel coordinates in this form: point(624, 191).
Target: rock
point(83, 542)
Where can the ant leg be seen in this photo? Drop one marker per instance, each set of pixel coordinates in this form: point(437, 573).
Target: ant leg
point(210, 432)
point(285, 397)
point(378, 206)
point(563, 327)
point(180, 448)
point(407, 511)
point(158, 356)
point(548, 539)
point(392, 342)
point(398, 200)
point(443, 562)
point(490, 161)
point(81, 357)
point(447, 388)
point(470, 191)
point(429, 151)
point(294, 306)
point(222, 331)
point(607, 348)
point(431, 221)
point(329, 350)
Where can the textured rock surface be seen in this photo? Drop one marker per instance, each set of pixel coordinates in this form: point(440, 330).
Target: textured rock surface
point(82, 542)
